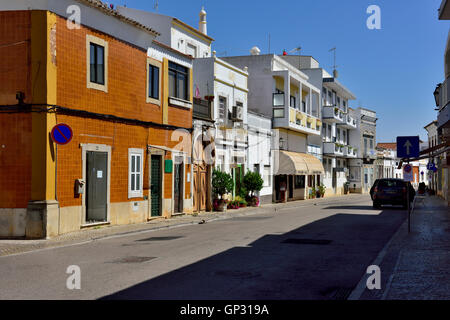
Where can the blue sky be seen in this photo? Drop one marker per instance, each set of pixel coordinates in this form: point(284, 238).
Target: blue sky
point(393, 70)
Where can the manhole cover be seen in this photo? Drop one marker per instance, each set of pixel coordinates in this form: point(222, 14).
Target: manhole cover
point(133, 259)
point(160, 238)
point(307, 241)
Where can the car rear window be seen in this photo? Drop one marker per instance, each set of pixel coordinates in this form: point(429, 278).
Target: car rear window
point(391, 183)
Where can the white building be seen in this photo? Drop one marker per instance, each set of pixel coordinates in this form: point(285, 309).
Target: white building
point(435, 183)
point(339, 146)
point(362, 169)
point(386, 164)
point(279, 90)
point(228, 88)
point(259, 151)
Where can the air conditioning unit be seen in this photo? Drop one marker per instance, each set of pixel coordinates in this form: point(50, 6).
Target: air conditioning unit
point(237, 114)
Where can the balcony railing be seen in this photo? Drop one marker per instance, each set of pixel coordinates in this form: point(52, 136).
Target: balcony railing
point(333, 114)
point(202, 109)
point(333, 148)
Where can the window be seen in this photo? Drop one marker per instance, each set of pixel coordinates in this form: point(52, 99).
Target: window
point(153, 82)
point(303, 106)
point(338, 101)
point(299, 182)
point(338, 134)
point(191, 50)
point(223, 107)
point(292, 102)
point(135, 160)
point(344, 133)
point(278, 113)
point(97, 63)
point(324, 131)
point(178, 81)
point(330, 98)
point(329, 131)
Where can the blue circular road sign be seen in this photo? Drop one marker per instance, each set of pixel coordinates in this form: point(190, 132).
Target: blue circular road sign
point(62, 133)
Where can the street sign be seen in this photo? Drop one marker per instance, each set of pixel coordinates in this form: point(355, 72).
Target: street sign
point(62, 134)
point(408, 147)
point(431, 166)
point(408, 173)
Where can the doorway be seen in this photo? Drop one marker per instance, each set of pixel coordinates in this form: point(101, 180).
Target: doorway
point(178, 188)
point(96, 186)
point(156, 185)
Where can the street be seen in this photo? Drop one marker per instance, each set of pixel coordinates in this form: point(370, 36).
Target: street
point(303, 250)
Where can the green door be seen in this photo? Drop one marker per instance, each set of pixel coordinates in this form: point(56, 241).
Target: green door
point(155, 186)
point(178, 188)
point(96, 186)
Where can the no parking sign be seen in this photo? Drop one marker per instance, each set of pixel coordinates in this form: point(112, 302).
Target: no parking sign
point(408, 173)
point(62, 134)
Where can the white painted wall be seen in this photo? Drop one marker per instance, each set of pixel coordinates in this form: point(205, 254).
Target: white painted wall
point(259, 146)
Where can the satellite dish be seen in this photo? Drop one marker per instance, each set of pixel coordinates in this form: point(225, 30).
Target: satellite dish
point(255, 51)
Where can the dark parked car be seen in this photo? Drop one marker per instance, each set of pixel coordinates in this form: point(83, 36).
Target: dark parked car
point(391, 191)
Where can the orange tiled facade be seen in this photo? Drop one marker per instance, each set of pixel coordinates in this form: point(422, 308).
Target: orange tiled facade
point(139, 124)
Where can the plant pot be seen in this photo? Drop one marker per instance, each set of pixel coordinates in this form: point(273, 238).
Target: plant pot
point(222, 207)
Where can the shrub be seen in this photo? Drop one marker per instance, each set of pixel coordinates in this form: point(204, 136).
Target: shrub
point(253, 182)
point(222, 183)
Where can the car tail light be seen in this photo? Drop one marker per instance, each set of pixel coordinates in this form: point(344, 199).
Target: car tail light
point(376, 189)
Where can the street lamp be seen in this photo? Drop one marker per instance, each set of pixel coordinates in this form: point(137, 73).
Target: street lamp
point(436, 94)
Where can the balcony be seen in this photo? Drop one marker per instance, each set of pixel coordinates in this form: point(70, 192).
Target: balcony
point(202, 109)
point(305, 123)
point(370, 153)
point(350, 152)
point(332, 114)
point(334, 149)
point(348, 122)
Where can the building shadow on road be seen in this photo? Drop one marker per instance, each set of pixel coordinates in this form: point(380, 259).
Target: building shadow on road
point(324, 259)
point(359, 207)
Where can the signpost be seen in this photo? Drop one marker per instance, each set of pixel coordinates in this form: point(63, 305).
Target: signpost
point(62, 134)
point(408, 148)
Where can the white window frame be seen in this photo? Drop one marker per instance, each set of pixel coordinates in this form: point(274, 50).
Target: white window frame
point(136, 193)
point(98, 41)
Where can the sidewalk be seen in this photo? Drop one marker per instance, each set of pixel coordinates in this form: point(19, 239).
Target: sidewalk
point(10, 247)
point(416, 265)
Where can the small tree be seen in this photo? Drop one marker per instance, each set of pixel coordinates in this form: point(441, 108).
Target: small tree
point(222, 183)
point(253, 182)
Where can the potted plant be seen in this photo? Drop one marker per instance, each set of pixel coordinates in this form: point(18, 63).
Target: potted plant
point(209, 98)
point(222, 183)
point(252, 183)
point(313, 193)
point(322, 190)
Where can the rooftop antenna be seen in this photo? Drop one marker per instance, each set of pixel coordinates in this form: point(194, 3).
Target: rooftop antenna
point(335, 73)
point(298, 49)
point(156, 6)
point(269, 43)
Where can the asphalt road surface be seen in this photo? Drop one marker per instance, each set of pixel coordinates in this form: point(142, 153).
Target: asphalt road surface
point(299, 251)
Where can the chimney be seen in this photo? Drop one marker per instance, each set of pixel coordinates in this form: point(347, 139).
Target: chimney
point(202, 22)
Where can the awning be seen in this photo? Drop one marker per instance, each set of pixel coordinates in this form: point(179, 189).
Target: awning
point(296, 163)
